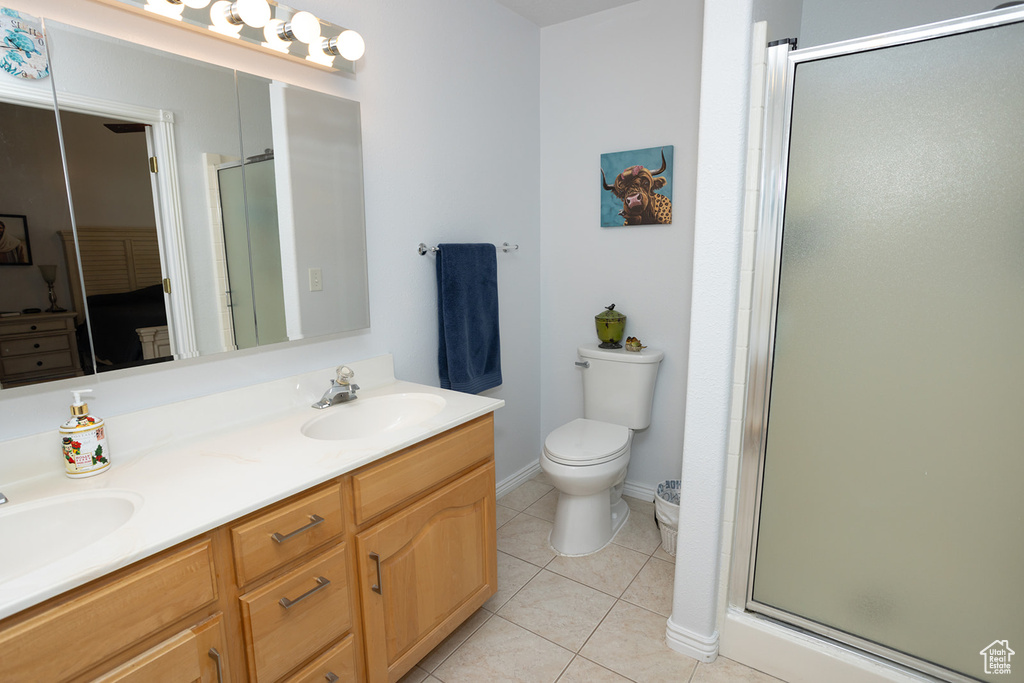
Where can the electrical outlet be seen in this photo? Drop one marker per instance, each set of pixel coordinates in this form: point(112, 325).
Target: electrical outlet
point(316, 280)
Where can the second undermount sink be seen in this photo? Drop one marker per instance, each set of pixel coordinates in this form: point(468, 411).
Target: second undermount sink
point(368, 417)
point(37, 533)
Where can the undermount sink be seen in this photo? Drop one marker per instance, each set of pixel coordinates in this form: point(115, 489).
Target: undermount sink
point(367, 417)
point(37, 533)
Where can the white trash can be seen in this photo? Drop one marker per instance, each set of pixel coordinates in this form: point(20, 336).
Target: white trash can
point(666, 509)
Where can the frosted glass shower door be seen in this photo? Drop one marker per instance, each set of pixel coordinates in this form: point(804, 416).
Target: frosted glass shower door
point(892, 491)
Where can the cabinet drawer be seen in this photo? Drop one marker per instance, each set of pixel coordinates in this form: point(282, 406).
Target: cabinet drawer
point(176, 660)
point(284, 534)
point(41, 344)
point(55, 645)
point(279, 638)
point(337, 664)
point(35, 326)
point(42, 362)
point(420, 467)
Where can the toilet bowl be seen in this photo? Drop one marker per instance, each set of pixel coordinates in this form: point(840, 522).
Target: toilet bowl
point(587, 458)
point(586, 461)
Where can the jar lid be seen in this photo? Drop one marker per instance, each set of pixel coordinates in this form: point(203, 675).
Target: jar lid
point(610, 314)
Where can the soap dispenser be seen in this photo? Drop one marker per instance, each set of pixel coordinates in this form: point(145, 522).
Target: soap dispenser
point(84, 441)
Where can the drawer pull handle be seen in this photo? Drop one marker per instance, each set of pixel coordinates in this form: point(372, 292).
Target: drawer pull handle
point(220, 669)
point(39, 363)
point(33, 328)
point(35, 346)
point(321, 583)
point(331, 677)
point(314, 520)
point(377, 588)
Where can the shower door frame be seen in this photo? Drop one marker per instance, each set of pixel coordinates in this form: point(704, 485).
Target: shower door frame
point(776, 130)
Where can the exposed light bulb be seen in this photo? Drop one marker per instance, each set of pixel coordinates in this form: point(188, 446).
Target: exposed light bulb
point(255, 13)
point(348, 44)
point(303, 26)
point(165, 8)
point(272, 32)
point(319, 54)
point(196, 4)
point(219, 18)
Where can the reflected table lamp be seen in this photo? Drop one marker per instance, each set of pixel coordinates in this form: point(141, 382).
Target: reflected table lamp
point(50, 275)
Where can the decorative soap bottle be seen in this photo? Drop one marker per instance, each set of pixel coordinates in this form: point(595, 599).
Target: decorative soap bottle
point(84, 441)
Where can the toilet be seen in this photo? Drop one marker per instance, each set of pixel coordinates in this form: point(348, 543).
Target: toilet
point(586, 459)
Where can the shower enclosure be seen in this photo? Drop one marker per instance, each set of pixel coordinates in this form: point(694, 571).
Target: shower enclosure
point(885, 406)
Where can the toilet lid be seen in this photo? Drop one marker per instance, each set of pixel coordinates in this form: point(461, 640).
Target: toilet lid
point(586, 442)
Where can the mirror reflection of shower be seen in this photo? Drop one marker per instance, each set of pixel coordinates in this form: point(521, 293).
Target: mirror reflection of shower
point(252, 251)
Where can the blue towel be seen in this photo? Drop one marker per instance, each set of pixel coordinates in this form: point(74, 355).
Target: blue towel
point(469, 346)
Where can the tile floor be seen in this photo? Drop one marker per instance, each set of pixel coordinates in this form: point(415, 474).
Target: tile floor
point(593, 619)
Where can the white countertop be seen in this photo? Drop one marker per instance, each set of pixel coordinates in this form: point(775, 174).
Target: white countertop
point(198, 464)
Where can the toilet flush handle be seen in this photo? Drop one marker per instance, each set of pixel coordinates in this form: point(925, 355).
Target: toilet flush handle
point(583, 363)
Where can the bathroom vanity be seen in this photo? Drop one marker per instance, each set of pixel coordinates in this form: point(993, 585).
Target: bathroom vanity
point(376, 546)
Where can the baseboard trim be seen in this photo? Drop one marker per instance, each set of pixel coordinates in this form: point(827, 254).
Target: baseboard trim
point(525, 474)
point(701, 648)
point(641, 491)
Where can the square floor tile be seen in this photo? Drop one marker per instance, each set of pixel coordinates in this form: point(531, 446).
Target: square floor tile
point(542, 478)
point(609, 570)
point(503, 514)
point(662, 555)
point(545, 507)
point(724, 670)
point(559, 609)
point(513, 574)
point(527, 538)
point(415, 675)
point(631, 642)
point(653, 587)
point(524, 495)
point(500, 651)
point(453, 641)
point(639, 533)
point(585, 671)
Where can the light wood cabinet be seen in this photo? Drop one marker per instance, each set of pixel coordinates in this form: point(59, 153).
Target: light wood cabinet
point(290, 592)
point(425, 570)
point(187, 657)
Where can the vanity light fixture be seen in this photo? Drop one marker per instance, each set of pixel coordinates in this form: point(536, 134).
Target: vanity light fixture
point(267, 24)
point(219, 21)
point(255, 13)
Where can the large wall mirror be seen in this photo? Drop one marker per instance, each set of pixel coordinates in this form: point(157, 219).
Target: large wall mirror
point(206, 210)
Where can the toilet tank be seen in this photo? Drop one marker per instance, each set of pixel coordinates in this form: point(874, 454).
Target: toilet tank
point(618, 387)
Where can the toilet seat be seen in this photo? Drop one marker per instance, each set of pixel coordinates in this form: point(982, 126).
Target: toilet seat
point(585, 442)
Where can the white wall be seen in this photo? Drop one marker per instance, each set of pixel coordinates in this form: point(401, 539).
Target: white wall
point(450, 110)
point(622, 79)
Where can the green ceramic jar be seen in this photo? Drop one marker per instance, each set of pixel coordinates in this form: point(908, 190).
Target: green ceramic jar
point(611, 325)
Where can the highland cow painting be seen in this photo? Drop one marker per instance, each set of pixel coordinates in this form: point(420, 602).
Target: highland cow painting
point(637, 187)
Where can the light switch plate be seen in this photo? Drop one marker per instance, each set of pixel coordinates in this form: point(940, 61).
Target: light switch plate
point(316, 280)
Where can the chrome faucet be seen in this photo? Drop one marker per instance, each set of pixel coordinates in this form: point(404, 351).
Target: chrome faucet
point(340, 391)
point(3, 498)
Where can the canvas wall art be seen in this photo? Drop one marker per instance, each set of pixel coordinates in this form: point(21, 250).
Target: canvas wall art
point(636, 187)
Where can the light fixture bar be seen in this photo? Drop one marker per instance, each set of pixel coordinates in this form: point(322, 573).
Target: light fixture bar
point(265, 24)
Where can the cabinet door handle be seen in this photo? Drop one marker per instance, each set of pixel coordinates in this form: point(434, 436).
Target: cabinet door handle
point(377, 588)
point(314, 520)
point(331, 677)
point(321, 583)
point(220, 669)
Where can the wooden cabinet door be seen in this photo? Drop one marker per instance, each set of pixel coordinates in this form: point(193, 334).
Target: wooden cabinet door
point(425, 570)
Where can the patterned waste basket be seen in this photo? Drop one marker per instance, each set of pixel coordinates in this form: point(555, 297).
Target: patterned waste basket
point(666, 509)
